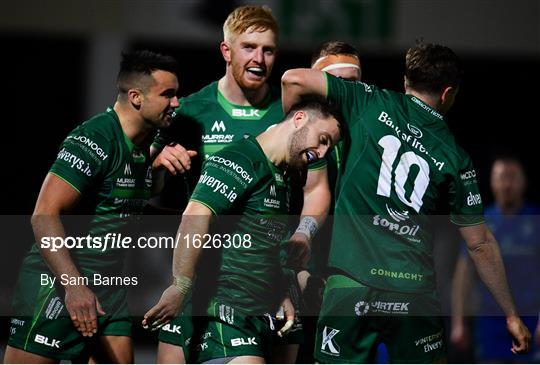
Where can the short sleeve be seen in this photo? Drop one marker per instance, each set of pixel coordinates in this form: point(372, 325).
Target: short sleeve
point(82, 157)
point(466, 207)
point(226, 178)
point(351, 97)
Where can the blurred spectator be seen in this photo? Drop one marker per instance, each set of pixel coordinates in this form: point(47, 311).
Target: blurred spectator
point(516, 225)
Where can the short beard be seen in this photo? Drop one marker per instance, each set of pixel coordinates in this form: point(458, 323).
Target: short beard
point(296, 147)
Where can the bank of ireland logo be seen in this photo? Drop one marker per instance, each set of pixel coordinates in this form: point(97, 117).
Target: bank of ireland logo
point(415, 130)
point(329, 345)
point(219, 126)
point(397, 216)
point(361, 308)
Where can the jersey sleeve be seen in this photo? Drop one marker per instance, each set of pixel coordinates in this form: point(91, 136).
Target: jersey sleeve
point(82, 157)
point(226, 178)
point(466, 207)
point(350, 96)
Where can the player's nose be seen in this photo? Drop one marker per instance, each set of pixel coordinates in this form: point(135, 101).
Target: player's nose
point(174, 102)
point(258, 56)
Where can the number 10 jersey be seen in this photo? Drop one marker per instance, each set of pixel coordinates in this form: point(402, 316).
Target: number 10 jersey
point(401, 168)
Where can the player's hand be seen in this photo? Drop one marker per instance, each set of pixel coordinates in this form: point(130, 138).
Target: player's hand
point(460, 336)
point(166, 309)
point(521, 337)
point(174, 158)
point(298, 251)
point(286, 312)
point(82, 306)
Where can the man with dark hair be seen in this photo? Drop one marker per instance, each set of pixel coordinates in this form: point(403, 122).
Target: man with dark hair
point(242, 101)
point(515, 222)
point(248, 178)
point(103, 169)
point(401, 165)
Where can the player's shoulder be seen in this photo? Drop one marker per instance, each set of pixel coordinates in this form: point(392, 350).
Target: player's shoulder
point(355, 84)
point(207, 94)
point(202, 101)
point(246, 151)
point(104, 124)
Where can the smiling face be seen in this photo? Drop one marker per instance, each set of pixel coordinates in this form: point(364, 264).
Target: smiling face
point(250, 57)
point(313, 140)
point(159, 99)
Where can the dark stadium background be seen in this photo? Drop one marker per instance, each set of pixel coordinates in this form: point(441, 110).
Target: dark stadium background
point(44, 95)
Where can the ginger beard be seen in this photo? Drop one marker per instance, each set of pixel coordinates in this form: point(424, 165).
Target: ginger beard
point(251, 76)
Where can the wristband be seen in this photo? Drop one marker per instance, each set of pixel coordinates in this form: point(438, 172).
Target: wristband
point(308, 226)
point(183, 284)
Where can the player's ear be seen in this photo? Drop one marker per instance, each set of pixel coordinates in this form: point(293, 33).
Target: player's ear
point(299, 118)
point(225, 51)
point(448, 95)
point(135, 97)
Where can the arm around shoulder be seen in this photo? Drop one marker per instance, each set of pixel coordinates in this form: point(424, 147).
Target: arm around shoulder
point(298, 82)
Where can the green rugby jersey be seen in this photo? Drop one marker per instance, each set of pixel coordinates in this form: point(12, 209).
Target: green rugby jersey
point(206, 122)
point(114, 178)
point(402, 164)
point(240, 180)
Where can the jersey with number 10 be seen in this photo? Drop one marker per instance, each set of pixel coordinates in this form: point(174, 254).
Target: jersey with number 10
point(401, 167)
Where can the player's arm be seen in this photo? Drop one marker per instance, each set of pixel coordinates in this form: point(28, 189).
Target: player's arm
point(298, 82)
point(485, 254)
point(195, 223)
point(317, 200)
point(461, 288)
point(55, 198)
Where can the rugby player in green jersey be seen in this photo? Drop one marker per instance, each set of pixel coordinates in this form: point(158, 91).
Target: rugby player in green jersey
point(402, 164)
point(247, 179)
point(342, 60)
point(104, 164)
point(242, 101)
